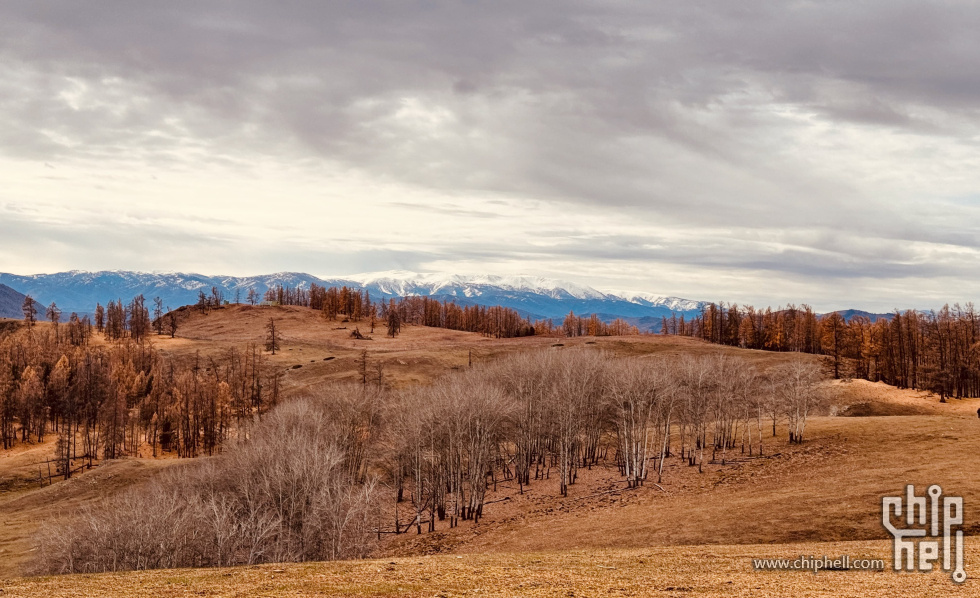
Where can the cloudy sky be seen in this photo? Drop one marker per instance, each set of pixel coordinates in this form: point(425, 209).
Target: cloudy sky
point(750, 151)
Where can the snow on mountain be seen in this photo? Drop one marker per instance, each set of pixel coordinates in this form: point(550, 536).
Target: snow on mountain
point(402, 283)
point(674, 303)
point(534, 296)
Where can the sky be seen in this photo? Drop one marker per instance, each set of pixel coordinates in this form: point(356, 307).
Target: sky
point(756, 152)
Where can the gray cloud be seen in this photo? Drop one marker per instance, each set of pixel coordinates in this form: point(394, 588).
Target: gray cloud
point(823, 140)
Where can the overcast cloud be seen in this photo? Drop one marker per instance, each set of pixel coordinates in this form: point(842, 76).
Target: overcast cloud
point(757, 152)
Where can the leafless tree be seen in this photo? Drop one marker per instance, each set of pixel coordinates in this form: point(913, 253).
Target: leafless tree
point(54, 316)
point(394, 320)
point(577, 389)
point(698, 393)
point(273, 337)
point(158, 315)
point(172, 323)
point(30, 310)
point(640, 397)
point(801, 393)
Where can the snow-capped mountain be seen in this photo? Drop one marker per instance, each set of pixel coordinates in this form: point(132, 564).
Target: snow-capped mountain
point(402, 283)
point(534, 296)
point(674, 303)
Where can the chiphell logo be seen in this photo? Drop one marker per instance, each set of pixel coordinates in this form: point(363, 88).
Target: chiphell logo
point(926, 524)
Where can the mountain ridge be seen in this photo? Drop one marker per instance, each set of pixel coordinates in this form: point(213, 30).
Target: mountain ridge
point(534, 296)
point(11, 302)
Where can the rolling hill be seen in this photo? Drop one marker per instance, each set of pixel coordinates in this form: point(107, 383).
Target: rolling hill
point(694, 530)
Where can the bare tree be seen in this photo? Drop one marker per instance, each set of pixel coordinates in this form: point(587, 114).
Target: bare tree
point(172, 322)
point(802, 394)
point(99, 317)
point(578, 385)
point(54, 316)
point(698, 382)
point(158, 315)
point(273, 337)
point(640, 398)
point(528, 378)
point(30, 311)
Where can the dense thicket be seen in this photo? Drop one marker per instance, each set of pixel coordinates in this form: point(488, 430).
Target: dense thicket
point(294, 491)
point(936, 351)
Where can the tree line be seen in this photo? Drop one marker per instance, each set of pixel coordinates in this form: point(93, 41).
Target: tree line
point(492, 321)
point(937, 351)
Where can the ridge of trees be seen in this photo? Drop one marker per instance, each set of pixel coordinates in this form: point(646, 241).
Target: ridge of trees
point(937, 351)
point(493, 321)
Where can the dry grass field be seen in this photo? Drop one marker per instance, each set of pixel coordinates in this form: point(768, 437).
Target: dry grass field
point(693, 535)
point(667, 571)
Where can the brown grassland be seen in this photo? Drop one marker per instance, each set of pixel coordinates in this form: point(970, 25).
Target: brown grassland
point(692, 536)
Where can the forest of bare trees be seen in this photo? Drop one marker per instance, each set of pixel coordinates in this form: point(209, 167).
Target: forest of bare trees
point(107, 401)
point(935, 351)
point(536, 415)
point(103, 401)
point(310, 481)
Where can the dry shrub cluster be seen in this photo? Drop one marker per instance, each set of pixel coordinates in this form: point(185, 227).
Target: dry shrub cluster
point(296, 490)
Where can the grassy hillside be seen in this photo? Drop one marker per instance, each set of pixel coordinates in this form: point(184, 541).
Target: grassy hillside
point(689, 571)
point(602, 538)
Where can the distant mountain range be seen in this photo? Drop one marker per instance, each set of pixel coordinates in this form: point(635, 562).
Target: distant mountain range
point(850, 314)
point(533, 297)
